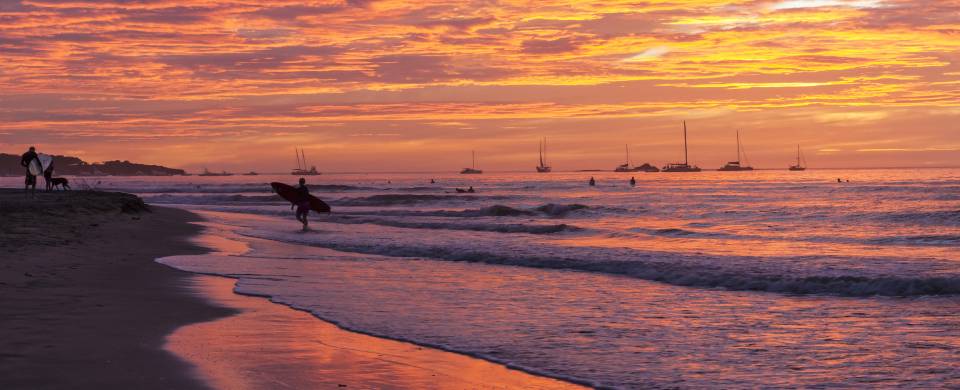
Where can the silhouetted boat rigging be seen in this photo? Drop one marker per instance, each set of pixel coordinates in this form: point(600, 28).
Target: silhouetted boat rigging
point(473, 165)
point(800, 166)
point(543, 167)
point(735, 165)
point(685, 165)
point(301, 169)
point(646, 167)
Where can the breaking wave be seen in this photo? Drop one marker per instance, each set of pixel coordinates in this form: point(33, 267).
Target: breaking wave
point(224, 188)
point(212, 199)
point(457, 225)
point(671, 268)
point(409, 199)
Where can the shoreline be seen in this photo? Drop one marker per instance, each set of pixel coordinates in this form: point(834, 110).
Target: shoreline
point(295, 349)
point(219, 244)
point(85, 304)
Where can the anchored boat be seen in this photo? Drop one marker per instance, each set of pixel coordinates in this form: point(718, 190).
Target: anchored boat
point(799, 166)
point(735, 165)
point(301, 169)
point(473, 166)
point(685, 165)
point(543, 167)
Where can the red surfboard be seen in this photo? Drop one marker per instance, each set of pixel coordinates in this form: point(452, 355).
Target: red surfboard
point(291, 195)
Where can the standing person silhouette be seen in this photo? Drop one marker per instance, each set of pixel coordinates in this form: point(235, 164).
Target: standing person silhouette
point(303, 203)
point(31, 180)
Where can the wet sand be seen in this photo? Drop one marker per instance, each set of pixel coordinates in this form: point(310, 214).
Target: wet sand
point(268, 346)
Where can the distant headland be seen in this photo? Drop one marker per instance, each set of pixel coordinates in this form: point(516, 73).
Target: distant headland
point(73, 166)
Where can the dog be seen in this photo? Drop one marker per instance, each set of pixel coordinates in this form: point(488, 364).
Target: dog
point(62, 182)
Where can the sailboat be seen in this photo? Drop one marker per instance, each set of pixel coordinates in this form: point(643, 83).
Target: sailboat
point(799, 166)
point(301, 169)
point(735, 165)
point(685, 165)
point(473, 165)
point(543, 167)
point(625, 167)
point(646, 167)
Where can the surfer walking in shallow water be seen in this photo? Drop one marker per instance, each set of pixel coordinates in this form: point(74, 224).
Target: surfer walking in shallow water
point(299, 197)
point(303, 203)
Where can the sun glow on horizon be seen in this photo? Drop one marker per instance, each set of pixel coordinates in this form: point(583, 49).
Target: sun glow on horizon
point(163, 81)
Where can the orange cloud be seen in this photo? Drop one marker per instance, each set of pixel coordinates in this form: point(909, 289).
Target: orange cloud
point(164, 72)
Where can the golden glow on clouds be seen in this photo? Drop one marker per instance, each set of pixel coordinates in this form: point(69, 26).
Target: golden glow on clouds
point(182, 75)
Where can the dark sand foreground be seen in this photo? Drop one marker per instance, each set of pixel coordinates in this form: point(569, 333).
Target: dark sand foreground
point(83, 304)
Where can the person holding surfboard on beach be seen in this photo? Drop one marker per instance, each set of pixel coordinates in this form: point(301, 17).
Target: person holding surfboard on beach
point(25, 160)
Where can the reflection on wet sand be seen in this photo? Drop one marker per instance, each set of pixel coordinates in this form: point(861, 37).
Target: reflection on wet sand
point(268, 346)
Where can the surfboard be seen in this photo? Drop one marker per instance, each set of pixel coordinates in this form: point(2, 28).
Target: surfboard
point(34, 167)
point(290, 194)
point(46, 161)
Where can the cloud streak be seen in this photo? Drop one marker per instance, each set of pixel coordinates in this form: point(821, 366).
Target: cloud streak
point(190, 70)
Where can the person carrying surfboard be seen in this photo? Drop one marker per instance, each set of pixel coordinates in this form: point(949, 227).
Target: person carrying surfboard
point(300, 198)
point(25, 160)
point(303, 202)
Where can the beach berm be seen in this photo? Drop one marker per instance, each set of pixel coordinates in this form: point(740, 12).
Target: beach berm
point(84, 304)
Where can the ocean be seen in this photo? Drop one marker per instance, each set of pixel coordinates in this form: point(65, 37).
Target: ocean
point(711, 279)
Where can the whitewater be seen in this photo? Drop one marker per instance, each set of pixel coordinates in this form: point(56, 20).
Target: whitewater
point(729, 279)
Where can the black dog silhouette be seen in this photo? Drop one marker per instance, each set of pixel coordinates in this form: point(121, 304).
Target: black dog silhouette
point(62, 182)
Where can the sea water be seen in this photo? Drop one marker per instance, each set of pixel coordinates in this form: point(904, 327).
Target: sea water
point(724, 279)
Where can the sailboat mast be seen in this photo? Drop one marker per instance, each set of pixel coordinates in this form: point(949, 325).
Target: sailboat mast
point(738, 145)
point(544, 157)
point(473, 159)
point(798, 155)
point(626, 147)
point(541, 153)
point(304, 156)
point(685, 158)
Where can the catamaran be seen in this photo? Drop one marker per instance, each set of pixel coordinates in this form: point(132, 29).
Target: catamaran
point(301, 169)
point(543, 167)
point(735, 165)
point(473, 165)
point(685, 165)
point(646, 167)
point(799, 166)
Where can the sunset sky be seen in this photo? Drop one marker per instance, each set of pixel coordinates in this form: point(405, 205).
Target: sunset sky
point(415, 85)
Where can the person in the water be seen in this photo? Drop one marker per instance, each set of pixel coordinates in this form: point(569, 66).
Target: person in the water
point(592, 182)
point(303, 202)
point(633, 182)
